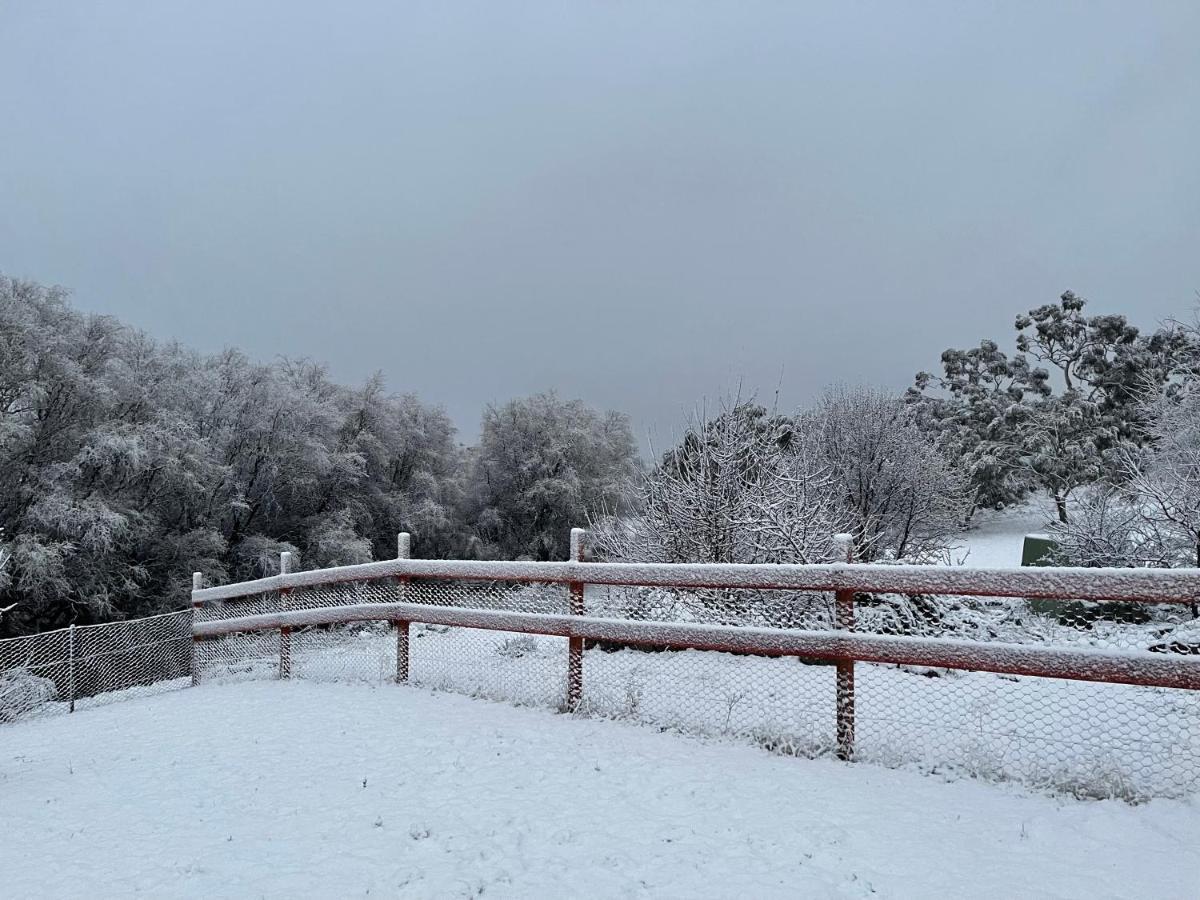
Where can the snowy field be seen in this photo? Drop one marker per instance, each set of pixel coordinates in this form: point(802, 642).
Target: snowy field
point(323, 790)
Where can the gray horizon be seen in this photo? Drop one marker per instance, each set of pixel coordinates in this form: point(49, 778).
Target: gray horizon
point(637, 206)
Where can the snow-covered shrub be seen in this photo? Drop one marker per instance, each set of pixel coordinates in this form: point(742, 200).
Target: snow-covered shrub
point(21, 692)
point(517, 647)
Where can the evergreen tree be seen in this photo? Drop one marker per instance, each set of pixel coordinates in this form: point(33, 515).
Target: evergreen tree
point(1016, 427)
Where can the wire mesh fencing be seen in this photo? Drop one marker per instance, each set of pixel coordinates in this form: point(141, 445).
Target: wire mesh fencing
point(1091, 739)
point(1087, 738)
point(784, 669)
point(515, 667)
point(58, 671)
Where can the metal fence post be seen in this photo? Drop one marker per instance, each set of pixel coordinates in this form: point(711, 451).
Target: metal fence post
point(575, 644)
point(403, 551)
point(71, 674)
point(197, 584)
point(844, 621)
point(285, 633)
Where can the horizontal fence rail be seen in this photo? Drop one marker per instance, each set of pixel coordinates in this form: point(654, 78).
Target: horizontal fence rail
point(1133, 585)
point(1117, 667)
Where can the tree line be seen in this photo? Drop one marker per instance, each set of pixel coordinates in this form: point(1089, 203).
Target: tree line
point(126, 463)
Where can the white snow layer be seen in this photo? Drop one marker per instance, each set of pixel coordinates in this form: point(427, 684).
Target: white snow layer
point(323, 790)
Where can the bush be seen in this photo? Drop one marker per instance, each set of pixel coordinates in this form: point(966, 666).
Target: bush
point(21, 692)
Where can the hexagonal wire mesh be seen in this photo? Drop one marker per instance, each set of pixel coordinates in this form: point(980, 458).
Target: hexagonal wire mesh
point(1092, 739)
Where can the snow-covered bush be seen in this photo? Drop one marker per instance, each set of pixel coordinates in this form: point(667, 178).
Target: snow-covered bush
point(21, 692)
point(1113, 526)
point(517, 647)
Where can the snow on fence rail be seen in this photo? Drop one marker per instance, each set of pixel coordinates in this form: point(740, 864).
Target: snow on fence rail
point(948, 669)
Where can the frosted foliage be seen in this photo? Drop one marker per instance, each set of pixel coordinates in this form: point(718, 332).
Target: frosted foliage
point(542, 465)
point(129, 464)
point(5, 557)
point(749, 487)
point(1013, 426)
point(902, 499)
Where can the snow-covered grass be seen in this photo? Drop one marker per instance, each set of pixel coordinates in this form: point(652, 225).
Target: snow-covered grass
point(322, 790)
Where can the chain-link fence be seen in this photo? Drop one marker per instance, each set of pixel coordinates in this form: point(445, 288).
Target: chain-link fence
point(57, 671)
point(1089, 738)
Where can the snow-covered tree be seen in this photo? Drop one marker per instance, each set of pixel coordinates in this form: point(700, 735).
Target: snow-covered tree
point(5, 556)
point(125, 465)
point(544, 465)
point(974, 415)
point(902, 498)
point(1150, 515)
point(751, 487)
point(1015, 427)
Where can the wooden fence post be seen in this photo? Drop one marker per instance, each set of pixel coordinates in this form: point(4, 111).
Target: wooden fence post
point(575, 644)
point(844, 621)
point(71, 673)
point(197, 584)
point(403, 551)
point(285, 633)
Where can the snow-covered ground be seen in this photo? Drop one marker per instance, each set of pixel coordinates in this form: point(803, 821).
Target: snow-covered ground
point(995, 539)
point(322, 790)
point(1083, 738)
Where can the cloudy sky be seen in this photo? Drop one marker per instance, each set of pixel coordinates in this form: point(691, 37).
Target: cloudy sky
point(638, 204)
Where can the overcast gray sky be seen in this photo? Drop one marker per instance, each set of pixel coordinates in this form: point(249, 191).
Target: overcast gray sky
point(637, 204)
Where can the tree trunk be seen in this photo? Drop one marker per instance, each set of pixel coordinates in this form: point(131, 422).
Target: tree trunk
point(1194, 606)
point(1060, 504)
